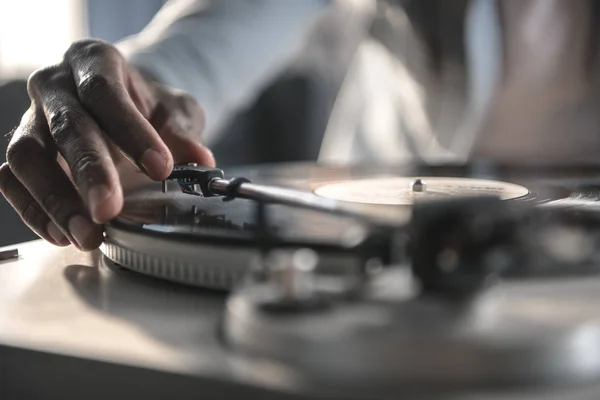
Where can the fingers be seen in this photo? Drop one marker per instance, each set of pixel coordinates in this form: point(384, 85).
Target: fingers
point(39, 173)
point(80, 142)
point(179, 120)
point(80, 110)
point(100, 75)
point(28, 209)
point(187, 151)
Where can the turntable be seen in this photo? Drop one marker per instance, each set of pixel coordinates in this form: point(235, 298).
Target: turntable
point(335, 211)
point(470, 281)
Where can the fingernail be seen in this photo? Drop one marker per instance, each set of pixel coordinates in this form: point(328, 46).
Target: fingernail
point(154, 162)
point(81, 229)
point(54, 232)
point(97, 196)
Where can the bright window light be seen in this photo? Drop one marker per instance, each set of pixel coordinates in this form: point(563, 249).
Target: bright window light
point(34, 33)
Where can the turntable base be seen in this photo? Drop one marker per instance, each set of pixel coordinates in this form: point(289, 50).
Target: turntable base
point(74, 326)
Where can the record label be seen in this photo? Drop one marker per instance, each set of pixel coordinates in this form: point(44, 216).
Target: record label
point(407, 190)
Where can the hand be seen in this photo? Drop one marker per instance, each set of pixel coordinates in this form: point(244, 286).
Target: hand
point(91, 117)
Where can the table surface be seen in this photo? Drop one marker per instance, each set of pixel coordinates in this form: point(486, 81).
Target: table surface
point(63, 302)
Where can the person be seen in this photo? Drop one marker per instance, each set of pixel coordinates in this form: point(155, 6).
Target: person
point(421, 80)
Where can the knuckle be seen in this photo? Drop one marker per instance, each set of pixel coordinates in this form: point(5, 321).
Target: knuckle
point(89, 48)
point(52, 202)
point(32, 215)
point(195, 117)
point(41, 78)
point(187, 100)
point(94, 88)
point(5, 176)
point(20, 151)
point(4, 169)
point(87, 167)
point(64, 121)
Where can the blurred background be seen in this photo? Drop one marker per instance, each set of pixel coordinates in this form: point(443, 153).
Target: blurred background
point(35, 33)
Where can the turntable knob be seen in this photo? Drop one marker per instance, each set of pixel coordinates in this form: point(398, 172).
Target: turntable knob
point(292, 272)
point(418, 186)
point(291, 282)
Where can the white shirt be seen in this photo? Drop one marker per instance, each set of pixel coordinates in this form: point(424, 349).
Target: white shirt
point(223, 52)
point(391, 107)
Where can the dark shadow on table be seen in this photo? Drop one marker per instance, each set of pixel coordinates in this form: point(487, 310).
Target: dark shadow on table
point(179, 316)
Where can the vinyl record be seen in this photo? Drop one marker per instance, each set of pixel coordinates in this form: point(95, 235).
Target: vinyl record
point(208, 242)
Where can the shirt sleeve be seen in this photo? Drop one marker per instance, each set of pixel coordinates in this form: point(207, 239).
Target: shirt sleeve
point(222, 51)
